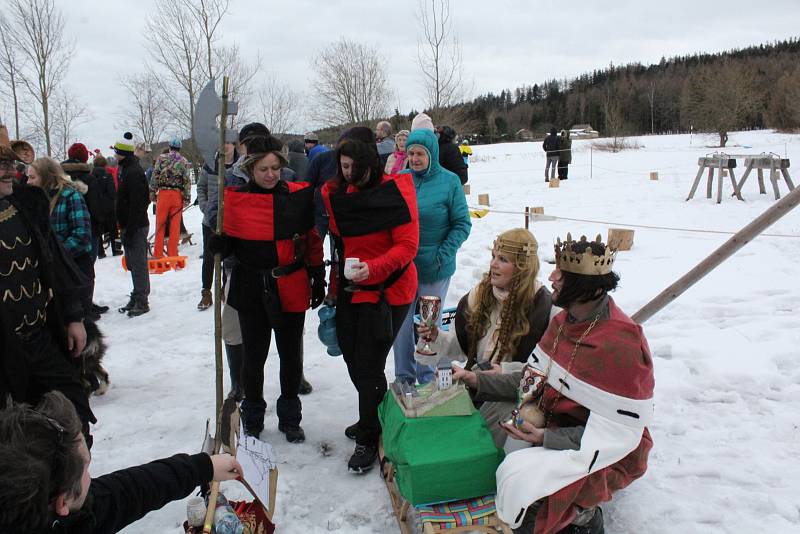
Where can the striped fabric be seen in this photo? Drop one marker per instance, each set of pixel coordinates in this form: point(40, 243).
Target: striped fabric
point(458, 513)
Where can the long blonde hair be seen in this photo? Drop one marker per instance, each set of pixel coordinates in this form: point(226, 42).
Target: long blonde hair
point(521, 247)
point(51, 175)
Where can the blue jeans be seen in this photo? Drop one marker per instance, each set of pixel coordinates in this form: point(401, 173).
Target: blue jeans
point(405, 366)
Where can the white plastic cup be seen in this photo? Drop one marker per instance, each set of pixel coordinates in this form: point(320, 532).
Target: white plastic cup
point(196, 511)
point(349, 267)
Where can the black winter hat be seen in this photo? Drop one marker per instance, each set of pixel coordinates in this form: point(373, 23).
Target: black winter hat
point(359, 133)
point(254, 129)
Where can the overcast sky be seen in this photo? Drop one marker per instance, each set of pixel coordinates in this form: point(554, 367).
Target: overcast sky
point(506, 43)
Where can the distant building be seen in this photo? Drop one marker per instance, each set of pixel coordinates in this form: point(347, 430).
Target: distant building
point(583, 131)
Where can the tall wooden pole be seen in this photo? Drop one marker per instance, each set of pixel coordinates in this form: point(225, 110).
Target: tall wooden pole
point(212, 500)
point(731, 246)
point(218, 257)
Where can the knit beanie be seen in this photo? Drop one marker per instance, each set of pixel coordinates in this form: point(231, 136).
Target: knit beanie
point(125, 146)
point(422, 122)
point(78, 151)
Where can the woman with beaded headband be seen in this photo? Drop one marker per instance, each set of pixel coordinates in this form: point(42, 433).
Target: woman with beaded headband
point(499, 322)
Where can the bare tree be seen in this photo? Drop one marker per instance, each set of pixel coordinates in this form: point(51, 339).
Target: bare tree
point(651, 98)
point(67, 112)
point(278, 105)
point(149, 112)
point(176, 48)
point(614, 118)
point(10, 64)
point(351, 85)
point(207, 16)
point(721, 99)
point(229, 62)
point(37, 31)
point(439, 54)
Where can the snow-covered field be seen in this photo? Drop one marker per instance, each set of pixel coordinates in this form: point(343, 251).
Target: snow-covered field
point(727, 425)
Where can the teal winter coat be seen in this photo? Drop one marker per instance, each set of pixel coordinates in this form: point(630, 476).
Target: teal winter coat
point(443, 214)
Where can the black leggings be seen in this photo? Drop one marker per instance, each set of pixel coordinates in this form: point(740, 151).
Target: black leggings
point(256, 337)
point(207, 271)
point(365, 357)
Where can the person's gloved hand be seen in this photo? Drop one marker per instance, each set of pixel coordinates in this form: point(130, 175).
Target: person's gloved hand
point(316, 276)
point(218, 244)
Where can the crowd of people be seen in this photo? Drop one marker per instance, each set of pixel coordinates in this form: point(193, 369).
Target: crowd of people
point(571, 366)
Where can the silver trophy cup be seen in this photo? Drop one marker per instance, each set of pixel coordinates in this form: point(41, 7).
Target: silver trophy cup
point(430, 309)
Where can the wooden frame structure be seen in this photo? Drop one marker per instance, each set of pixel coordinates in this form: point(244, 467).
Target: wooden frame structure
point(775, 165)
point(720, 162)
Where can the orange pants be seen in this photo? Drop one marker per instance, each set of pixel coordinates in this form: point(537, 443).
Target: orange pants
point(169, 208)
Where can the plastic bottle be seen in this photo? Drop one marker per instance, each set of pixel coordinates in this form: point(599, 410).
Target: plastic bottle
point(225, 519)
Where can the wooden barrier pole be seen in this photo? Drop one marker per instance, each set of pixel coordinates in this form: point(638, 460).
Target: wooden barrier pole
point(728, 249)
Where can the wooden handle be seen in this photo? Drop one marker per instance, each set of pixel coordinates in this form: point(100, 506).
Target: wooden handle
point(208, 524)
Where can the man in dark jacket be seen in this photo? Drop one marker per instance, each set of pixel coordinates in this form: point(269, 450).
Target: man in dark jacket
point(551, 146)
point(133, 197)
point(41, 315)
point(298, 161)
point(46, 484)
point(449, 154)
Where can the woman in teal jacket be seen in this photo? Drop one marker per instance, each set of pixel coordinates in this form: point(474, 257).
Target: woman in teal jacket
point(443, 226)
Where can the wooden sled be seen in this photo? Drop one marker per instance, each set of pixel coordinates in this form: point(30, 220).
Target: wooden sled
point(445, 517)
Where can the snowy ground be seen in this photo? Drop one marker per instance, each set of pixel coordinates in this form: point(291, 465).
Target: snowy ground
point(726, 353)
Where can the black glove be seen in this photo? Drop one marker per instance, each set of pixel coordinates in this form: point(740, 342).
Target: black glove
point(218, 244)
point(316, 276)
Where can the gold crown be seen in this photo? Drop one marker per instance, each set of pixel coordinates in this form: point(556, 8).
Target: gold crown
point(585, 262)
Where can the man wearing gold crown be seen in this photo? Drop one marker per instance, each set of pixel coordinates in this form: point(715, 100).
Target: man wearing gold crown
point(585, 400)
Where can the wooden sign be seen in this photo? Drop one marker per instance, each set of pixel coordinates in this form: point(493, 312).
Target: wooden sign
point(483, 199)
point(466, 189)
point(554, 182)
point(654, 175)
point(620, 238)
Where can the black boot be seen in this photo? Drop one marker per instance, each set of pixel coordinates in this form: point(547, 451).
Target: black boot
point(353, 431)
point(235, 354)
point(294, 433)
point(128, 306)
point(140, 307)
point(252, 414)
point(363, 458)
point(305, 386)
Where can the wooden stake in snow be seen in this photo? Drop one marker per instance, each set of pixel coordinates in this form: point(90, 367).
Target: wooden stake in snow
point(620, 238)
point(466, 189)
point(483, 199)
point(654, 175)
point(736, 242)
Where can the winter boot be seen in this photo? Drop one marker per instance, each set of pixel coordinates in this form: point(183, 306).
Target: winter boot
point(100, 310)
point(294, 433)
point(128, 306)
point(353, 431)
point(140, 307)
point(305, 387)
point(205, 300)
point(252, 416)
point(235, 354)
point(363, 459)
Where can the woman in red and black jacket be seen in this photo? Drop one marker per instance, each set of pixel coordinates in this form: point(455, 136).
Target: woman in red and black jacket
point(373, 217)
point(269, 227)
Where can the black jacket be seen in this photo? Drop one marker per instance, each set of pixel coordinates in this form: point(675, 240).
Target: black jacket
point(101, 198)
point(118, 499)
point(133, 195)
point(551, 145)
point(58, 272)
